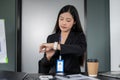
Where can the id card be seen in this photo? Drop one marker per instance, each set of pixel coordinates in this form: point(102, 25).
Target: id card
point(60, 66)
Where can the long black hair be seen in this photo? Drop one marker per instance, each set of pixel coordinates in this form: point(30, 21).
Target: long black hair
point(73, 11)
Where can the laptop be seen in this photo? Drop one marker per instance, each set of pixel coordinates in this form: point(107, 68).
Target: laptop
point(115, 74)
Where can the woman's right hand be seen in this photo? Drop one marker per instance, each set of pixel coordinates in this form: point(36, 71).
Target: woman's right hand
point(48, 49)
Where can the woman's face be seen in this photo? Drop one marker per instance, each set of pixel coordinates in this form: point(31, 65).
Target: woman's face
point(66, 22)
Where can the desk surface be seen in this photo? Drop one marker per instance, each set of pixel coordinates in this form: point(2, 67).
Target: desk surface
point(9, 75)
point(36, 77)
point(106, 78)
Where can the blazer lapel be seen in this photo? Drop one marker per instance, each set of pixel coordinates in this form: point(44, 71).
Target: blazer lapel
point(69, 39)
point(57, 37)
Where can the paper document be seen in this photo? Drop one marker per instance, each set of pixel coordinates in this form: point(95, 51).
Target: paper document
point(75, 77)
point(3, 50)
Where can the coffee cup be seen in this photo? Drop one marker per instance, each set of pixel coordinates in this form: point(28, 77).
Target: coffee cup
point(92, 67)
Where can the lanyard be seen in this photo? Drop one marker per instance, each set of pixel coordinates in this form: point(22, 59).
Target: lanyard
point(60, 57)
point(60, 62)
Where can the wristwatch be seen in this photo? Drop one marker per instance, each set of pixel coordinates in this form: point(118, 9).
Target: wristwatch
point(55, 45)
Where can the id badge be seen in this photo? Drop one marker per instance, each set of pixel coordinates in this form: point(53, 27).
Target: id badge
point(60, 66)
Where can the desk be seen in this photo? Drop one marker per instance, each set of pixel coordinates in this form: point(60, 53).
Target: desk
point(64, 77)
point(9, 75)
point(35, 77)
point(106, 78)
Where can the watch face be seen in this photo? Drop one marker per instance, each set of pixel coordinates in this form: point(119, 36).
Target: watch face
point(55, 45)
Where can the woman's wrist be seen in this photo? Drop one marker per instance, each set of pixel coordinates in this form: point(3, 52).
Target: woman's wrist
point(55, 46)
point(58, 47)
point(48, 57)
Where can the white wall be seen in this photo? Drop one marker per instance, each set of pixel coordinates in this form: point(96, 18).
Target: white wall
point(115, 34)
point(38, 21)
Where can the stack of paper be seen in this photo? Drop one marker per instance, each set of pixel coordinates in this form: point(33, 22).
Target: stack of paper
point(75, 77)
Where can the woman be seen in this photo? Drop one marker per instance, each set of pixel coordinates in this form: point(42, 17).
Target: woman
point(68, 42)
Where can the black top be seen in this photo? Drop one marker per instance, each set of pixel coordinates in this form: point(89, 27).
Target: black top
point(71, 52)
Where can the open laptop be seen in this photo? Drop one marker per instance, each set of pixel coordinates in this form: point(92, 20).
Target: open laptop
point(115, 74)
